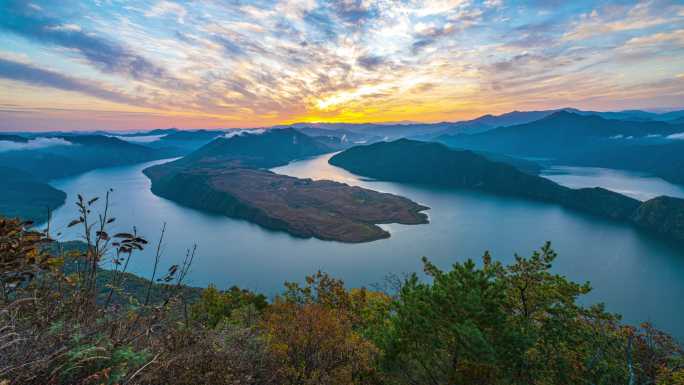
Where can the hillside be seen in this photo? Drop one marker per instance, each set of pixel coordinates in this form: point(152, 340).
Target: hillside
point(663, 215)
point(13, 138)
point(27, 163)
point(252, 149)
point(178, 142)
point(302, 207)
point(24, 197)
point(521, 164)
point(664, 159)
point(435, 164)
point(76, 154)
point(227, 176)
point(259, 149)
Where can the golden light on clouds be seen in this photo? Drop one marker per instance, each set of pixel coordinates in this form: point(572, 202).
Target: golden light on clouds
point(206, 64)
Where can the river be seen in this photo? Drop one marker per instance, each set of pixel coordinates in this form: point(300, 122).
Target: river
point(635, 274)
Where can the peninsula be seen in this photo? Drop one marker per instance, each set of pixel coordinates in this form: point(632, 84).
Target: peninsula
point(225, 177)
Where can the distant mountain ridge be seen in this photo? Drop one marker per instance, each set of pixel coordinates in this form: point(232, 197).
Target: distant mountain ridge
point(587, 140)
point(394, 130)
point(558, 131)
point(427, 131)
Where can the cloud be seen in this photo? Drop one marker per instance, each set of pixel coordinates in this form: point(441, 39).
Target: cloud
point(354, 11)
point(29, 74)
point(421, 44)
point(66, 27)
point(370, 62)
point(106, 55)
point(678, 136)
point(33, 144)
point(493, 3)
point(517, 61)
point(432, 31)
point(163, 8)
point(434, 7)
point(672, 38)
point(267, 62)
point(459, 16)
point(236, 132)
point(294, 9)
point(612, 19)
point(322, 24)
point(139, 138)
point(532, 35)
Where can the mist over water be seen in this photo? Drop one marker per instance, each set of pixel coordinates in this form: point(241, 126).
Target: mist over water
point(636, 274)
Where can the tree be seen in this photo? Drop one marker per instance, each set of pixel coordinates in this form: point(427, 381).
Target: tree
point(215, 306)
point(517, 324)
point(447, 331)
point(314, 332)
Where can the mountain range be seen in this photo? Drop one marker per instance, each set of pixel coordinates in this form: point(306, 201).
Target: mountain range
point(527, 140)
point(568, 138)
point(430, 131)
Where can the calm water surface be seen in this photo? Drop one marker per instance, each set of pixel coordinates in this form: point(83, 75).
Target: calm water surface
point(635, 274)
point(636, 185)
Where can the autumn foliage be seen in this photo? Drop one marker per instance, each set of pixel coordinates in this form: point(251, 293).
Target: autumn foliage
point(65, 321)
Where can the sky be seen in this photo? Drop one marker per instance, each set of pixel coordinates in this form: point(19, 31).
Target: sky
point(119, 65)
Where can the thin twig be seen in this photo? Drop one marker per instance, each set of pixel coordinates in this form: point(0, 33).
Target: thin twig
point(141, 369)
point(157, 256)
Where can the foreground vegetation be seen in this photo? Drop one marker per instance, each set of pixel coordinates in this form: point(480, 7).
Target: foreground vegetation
point(63, 320)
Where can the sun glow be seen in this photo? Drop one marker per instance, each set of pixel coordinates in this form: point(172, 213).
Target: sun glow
point(166, 63)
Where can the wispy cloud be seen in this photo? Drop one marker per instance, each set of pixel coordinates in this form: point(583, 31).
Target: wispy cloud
point(614, 18)
point(30, 74)
point(33, 144)
point(256, 63)
point(164, 8)
point(234, 133)
point(107, 55)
